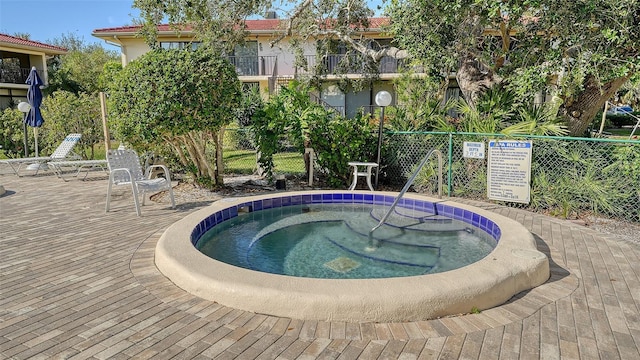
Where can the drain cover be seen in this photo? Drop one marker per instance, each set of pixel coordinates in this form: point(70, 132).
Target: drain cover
point(342, 264)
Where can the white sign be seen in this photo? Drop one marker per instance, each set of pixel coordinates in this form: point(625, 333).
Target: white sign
point(473, 150)
point(509, 170)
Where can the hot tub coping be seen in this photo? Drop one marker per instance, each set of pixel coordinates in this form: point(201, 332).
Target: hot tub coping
point(513, 266)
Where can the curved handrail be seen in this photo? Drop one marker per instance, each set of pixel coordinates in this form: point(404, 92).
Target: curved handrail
point(408, 184)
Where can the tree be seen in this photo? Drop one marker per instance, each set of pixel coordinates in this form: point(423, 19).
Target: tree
point(22, 35)
point(80, 68)
point(181, 98)
point(66, 112)
point(581, 51)
point(222, 22)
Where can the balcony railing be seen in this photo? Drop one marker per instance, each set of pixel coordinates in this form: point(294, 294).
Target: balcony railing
point(253, 65)
point(15, 75)
point(349, 64)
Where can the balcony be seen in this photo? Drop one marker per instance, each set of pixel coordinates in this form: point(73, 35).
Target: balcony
point(15, 75)
point(334, 64)
point(253, 65)
point(349, 64)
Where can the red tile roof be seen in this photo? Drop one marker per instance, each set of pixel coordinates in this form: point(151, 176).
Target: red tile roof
point(251, 25)
point(8, 39)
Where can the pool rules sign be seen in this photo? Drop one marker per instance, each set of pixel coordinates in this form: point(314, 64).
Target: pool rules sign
point(509, 170)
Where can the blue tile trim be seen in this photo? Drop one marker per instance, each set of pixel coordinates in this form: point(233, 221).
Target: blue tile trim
point(466, 216)
point(267, 204)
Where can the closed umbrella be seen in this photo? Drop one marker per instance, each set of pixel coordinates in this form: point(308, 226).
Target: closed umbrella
point(34, 97)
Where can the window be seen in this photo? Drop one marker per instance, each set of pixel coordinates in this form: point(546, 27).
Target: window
point(180, 44)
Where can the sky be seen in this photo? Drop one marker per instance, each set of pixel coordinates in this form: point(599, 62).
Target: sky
point(46, 20)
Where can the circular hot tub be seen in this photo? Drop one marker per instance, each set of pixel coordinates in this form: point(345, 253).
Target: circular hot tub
point(512, 266)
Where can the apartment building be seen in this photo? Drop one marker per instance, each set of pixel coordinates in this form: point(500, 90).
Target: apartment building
point(17, 57)
point(267, 65)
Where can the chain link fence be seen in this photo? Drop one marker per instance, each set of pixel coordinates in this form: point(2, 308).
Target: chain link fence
point(570, 177)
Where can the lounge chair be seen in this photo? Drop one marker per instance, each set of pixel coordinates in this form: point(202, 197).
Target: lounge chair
point(63, 152)
point(77, 166)
point(125, 169)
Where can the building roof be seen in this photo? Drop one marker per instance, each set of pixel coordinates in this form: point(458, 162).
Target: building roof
point(251, 26)
point(16, 42)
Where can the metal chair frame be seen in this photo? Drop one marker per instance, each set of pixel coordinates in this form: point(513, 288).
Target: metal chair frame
point(125, 169)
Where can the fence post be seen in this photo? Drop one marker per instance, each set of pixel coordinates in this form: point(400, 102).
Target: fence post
point(310, 152)
point(450, 165)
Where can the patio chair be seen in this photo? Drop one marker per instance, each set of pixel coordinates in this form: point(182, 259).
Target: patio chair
point(125, 169)
point(62, 152)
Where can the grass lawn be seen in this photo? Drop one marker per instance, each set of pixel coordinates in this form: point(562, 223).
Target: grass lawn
point(622, 131)
point(244, 162)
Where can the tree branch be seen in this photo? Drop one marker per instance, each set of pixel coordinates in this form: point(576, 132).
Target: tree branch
point(375, 55)
point(288, 28)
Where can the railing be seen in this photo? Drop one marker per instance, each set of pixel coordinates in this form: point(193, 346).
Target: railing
point(408, 184)
point(253, 65)
point(349, 64)
point(15, 75)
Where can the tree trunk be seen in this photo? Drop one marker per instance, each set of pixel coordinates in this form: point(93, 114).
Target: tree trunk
point(474, 78)
point(176, 143)
point(579, 112)
point(200, 156)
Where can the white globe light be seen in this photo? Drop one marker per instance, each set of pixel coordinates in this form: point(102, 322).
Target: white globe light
point(24, 107)
point(383, 98)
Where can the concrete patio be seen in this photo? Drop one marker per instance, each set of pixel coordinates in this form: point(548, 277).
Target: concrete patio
point(78, 283)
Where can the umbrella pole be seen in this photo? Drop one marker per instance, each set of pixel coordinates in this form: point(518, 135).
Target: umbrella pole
point(26, 141)
point(35, 135)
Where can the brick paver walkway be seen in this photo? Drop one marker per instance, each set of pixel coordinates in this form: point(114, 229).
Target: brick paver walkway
point(78, 283)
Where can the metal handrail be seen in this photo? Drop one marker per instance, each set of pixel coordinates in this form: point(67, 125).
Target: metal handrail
point(408, 184)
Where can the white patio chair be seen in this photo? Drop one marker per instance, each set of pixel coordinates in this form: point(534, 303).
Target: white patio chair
point(125, 169)
point(62, 152)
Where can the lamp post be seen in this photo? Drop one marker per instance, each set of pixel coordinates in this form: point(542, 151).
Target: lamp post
point(25, 107)
point(383, 98)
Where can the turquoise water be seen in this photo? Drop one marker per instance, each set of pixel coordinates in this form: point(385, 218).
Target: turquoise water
point(331, 241)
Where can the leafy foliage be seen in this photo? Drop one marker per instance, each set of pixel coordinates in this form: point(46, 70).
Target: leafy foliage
point(12, 134)
point(284, 121)
point(571, 49)
point(422, 108)
point(177, 97)
point(66, 113)
point(496, 111)
point(81, 68)
point(575, 183)
point(337, 141)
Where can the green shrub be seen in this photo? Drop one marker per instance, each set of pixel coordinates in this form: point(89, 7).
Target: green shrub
point(337, 141)
point(12, 133)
